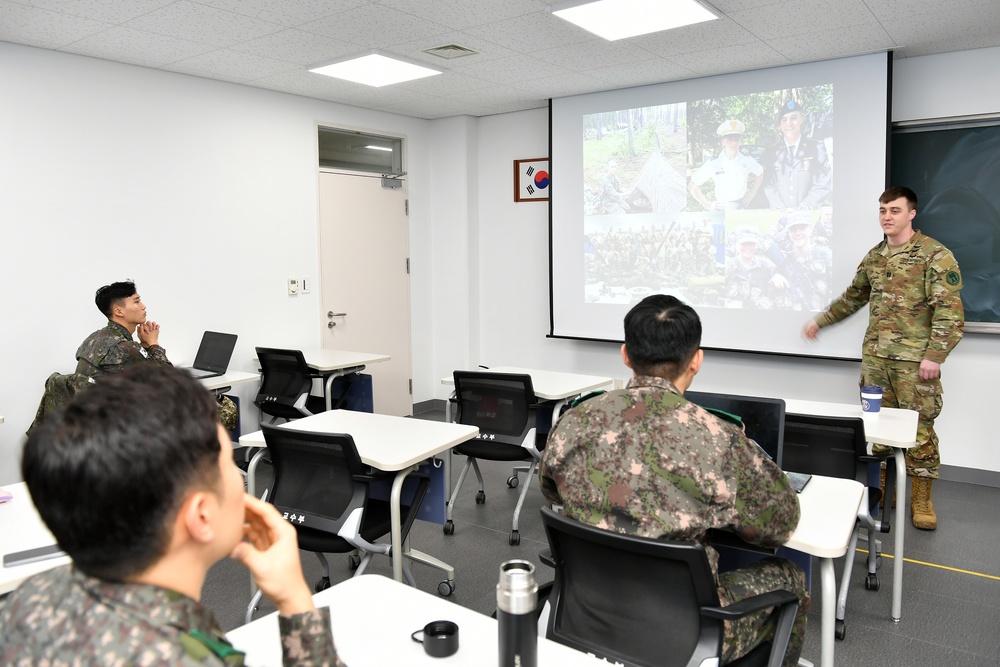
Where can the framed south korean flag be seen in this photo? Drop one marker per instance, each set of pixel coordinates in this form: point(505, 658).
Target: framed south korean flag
point(531, 179)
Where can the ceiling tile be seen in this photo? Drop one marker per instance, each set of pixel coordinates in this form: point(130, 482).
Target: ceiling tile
point(847, 41)
point(33, 26)
point(656, 70)
point(230, 65)
point(296, 46)
point(198, 23)
point(375, 26)
point(462, 14)
point(562, 85)
point(136, 47)
point(485, 50)
point(100, 10)
point(797, 17)
point(731, 59)
point(592, 54)
point(697, 37)
point(511, 70)
point(532, 32)
point(290, 13)
point(448, 81)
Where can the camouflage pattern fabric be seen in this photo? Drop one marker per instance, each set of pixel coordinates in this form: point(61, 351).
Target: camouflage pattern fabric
point(229, 414)
point(903, 388)
point(63, 617)
point(915, 313)
point(645, 461)
point(112, 350)
point(59, 390)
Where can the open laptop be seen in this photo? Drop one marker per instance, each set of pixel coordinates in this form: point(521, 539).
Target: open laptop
point(763, 420)
point(213, 356)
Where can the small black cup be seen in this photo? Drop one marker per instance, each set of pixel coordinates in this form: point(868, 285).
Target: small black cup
point(440, 638)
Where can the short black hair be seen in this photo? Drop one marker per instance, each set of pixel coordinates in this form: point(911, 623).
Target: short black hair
point(112, 294)
point(109, 473)
point(662, 334)
point(894, 193)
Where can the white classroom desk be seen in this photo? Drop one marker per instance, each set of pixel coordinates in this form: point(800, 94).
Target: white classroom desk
point(892, 427)
point(333, 364)
point(389, 443)
point(372, 619)
point(21, 528)
point(228, 380)
point(547, 385)
point(829, 510)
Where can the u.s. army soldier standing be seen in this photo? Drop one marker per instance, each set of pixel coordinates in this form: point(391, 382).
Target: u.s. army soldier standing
point(915, 318)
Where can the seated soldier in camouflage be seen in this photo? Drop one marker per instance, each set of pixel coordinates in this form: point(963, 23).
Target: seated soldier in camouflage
point(112, 349)
point(135, 478)
point(644, 461)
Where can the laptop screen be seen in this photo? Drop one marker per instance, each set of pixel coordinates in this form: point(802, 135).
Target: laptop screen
point(215, 351)
point(763, 418)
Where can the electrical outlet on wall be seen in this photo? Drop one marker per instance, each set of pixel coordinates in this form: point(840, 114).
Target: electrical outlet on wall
point(293, 286)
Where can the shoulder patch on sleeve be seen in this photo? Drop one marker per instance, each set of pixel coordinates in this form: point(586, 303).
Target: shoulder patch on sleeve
point(953, 278)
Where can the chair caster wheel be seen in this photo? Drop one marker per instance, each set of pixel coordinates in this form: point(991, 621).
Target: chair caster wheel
point(839, 629)
point(449, 527)
point(515, 538)
point(446, 588)
point(871, 582)
point(322, 584)
point(480, 497)
point(512, 481)
point(353, 561)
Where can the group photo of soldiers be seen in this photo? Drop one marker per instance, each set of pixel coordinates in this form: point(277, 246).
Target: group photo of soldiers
point(723, 202)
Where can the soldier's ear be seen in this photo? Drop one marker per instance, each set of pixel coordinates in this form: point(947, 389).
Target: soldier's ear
point(625, 356)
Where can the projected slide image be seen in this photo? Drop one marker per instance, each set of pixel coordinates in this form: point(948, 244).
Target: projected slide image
point(724, 203)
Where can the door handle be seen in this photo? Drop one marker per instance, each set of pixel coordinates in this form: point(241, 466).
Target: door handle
point(330, 314)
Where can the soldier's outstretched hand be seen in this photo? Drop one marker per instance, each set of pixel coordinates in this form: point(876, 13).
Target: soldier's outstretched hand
point(810, 330)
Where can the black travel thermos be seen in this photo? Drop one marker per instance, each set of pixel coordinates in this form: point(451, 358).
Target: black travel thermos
point(517, 597)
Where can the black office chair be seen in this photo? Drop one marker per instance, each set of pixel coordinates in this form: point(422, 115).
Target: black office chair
point(503, 406)
point(285, 385)
point(836, 447)
point(322, 487)
point(644, 602)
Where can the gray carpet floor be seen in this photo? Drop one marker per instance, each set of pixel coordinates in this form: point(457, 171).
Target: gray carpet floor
point(951, 597)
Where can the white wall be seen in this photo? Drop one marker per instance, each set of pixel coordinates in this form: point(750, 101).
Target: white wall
point(513, 260)
point(204, 192)
point(113, 171)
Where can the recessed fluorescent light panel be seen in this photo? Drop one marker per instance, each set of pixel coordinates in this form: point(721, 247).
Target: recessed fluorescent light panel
point(618, 19)
point(374, 69)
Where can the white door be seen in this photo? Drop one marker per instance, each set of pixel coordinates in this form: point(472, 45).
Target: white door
point(364, 246)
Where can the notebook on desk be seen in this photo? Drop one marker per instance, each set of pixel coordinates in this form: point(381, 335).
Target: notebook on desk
point(213, 356)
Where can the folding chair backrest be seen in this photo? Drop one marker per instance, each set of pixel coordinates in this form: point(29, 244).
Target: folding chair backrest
point(498, 403)
point(314, 477)
point(285, 382)
point(631, 599)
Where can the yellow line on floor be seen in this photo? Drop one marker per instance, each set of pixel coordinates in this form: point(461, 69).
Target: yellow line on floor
point(940, 567)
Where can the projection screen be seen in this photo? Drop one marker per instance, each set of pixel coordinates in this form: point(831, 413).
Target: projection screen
point(751, 196)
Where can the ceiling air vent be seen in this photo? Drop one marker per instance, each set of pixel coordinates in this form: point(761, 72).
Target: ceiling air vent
point(450, 51)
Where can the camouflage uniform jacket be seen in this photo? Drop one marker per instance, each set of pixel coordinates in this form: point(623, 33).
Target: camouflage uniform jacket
point(63, 617)
point(915, 310)
point(112, 350)
point(645, 461)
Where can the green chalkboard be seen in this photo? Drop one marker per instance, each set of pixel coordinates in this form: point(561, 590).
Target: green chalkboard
point(955, 171)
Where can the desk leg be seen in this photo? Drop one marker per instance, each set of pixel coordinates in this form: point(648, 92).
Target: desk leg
point(829, 611)
point(900, 528)
point(252, 471)
point(328, 386)
point(395, 514)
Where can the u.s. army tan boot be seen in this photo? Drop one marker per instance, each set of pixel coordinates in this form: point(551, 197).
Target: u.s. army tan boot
point(921, 507)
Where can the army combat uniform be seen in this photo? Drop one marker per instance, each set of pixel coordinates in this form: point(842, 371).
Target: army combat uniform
point(915, 313)
point(63, 617)
point(645, 461)
point(112, 350)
